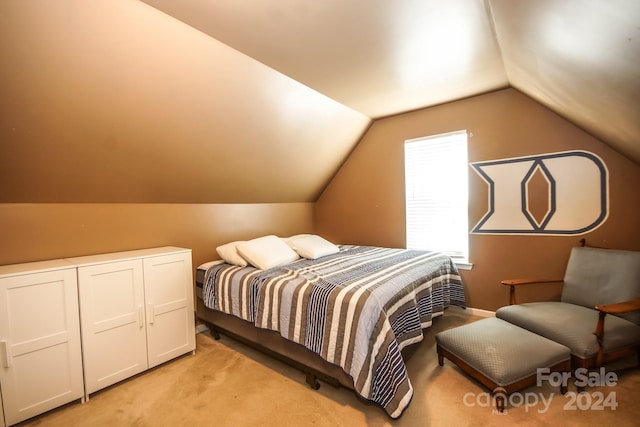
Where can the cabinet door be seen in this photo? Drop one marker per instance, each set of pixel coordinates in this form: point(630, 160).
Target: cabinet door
point(39, 343)
point(112, 318)
point(170, 311)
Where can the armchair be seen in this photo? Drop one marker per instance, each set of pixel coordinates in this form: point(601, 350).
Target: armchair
point(598, 315)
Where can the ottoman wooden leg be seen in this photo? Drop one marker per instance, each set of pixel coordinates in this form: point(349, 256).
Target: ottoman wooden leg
point(500, 402)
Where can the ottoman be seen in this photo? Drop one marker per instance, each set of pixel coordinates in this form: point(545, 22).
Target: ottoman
point(503, 357)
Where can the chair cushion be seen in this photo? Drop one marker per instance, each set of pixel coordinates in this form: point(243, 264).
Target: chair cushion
point(500, 351)
point(571, 325)
point(602, 276)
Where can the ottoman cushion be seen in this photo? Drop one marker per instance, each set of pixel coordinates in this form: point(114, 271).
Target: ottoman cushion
point(500, 351)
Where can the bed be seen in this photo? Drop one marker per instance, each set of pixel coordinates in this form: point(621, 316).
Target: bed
point(344, 315)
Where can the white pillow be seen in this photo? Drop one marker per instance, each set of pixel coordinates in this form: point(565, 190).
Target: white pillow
point(229, 253)
point(267, 252)
point(208, 265)
point(292, 238)
point(311, 246)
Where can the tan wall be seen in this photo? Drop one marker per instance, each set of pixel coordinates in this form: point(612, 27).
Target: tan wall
point(33, 232)
point(364, 203)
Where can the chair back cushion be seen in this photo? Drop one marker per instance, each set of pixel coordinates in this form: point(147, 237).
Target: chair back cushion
point(602, 276)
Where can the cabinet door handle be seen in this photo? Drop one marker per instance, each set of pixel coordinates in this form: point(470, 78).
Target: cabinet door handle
point(140, 320)
point(6, 352)
point(150, 312)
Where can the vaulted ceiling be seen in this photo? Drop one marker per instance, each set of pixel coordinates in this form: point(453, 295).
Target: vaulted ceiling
point(580, 58)
point(245, 101)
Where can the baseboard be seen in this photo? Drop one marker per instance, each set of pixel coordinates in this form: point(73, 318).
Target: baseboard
point(477, 312)
point(482, 313)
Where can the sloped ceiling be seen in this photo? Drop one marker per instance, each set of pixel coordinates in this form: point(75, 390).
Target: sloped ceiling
point(114, 101)
point(243, 101)
point(580, 58)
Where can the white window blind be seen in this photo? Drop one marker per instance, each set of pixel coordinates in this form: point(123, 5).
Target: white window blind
point(436, 186)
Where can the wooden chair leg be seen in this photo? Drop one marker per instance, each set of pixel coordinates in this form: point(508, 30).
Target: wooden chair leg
point(599, 333)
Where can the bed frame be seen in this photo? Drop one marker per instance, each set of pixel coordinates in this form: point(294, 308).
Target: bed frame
point(273, 344)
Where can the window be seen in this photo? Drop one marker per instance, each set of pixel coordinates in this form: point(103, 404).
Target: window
point(436, 185)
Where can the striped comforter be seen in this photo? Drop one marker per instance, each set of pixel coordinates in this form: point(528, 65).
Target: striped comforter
point(357, 309)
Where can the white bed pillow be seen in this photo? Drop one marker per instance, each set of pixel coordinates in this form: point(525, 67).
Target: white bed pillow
point(297, 236)
point(209, 264)
point(267, 252)
point(229, 253)
point(311, 246)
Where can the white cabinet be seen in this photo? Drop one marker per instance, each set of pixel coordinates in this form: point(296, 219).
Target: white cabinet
point(136, 312)
point(40, 348)
point(110, 316)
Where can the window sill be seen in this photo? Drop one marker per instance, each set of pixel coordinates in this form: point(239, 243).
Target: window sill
point(462, 264)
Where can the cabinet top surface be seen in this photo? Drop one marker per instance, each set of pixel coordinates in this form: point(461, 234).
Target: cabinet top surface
point(73, 262)
point(120, 256)
point(34, 267)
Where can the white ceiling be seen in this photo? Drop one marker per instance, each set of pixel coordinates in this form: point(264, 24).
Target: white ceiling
point(580, 58)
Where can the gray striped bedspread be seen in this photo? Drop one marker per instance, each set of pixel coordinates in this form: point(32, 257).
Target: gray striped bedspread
point(357, 309)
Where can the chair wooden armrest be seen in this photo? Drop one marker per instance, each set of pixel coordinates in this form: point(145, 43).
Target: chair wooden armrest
point(515, 282)
point(614, 308)
point(620, 307)
point(512, 283)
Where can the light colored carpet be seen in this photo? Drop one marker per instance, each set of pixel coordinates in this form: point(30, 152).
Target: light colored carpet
point(228, 384)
